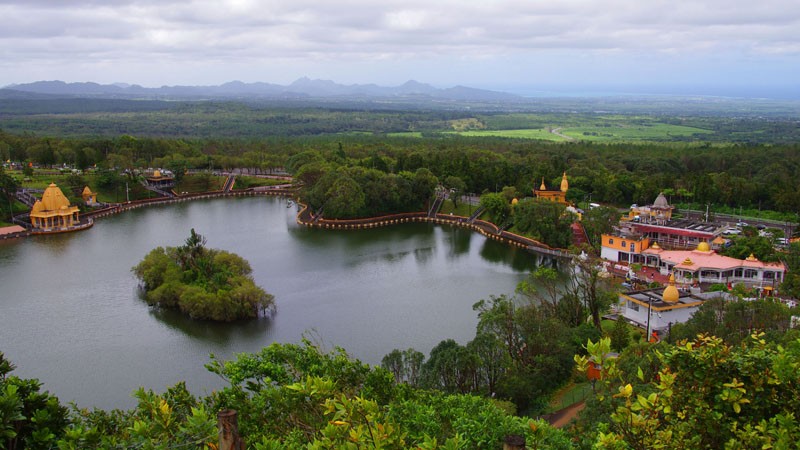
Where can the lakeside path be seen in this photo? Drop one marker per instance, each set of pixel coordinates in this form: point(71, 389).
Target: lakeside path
point(304, 217)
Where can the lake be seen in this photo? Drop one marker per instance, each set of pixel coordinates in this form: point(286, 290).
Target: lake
point(70, 314)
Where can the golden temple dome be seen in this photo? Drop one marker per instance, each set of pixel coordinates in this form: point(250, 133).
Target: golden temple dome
point(687, 262)
point(156, 174)
point(87, 191)
point(564, 183)
point(752, 257)
point(542, 187)
point(514, 201)
point(703, 247)
point(53, 199)
point(671, 294)
point(655, 246)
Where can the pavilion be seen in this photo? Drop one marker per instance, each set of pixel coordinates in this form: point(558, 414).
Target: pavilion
point(53, 213)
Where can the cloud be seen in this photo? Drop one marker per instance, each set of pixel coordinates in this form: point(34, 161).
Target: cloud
point(301, 33)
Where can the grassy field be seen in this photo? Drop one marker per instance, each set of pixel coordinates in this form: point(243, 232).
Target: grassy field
point(617, 132)
point(406, 134)
point(609, 128)
point(540, 134)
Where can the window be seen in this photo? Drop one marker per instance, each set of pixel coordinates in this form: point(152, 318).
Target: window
point(633, 306)
point(624, 244)
point(610, 241)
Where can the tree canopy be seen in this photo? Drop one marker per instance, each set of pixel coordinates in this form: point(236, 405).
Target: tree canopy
point(204, 283)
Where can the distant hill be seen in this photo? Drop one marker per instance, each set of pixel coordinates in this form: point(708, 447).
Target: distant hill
point(301, 88)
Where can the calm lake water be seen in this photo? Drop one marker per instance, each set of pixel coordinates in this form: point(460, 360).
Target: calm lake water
point(70, 315)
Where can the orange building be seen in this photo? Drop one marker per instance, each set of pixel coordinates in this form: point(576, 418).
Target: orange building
point(620, 249)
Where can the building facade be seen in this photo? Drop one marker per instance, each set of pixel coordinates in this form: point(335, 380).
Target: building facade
point(555, 195)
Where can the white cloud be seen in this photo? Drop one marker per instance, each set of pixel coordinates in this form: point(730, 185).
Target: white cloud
point(293, 36)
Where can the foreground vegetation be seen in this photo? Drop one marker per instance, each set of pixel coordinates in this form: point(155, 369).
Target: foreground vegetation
point(203, 283)
point(701, 393)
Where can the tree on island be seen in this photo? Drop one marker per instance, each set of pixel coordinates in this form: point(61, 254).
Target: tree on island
point(204, 283)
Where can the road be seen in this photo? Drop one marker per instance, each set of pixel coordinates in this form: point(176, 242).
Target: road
point(557, 132)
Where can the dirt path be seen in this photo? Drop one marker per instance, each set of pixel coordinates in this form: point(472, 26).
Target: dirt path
point(560, 418)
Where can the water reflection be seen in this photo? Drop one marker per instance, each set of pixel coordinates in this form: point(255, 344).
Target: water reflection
point(55, 243)
point(423, 255)
point(209, 331)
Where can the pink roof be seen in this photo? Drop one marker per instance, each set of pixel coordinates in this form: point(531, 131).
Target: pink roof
point(11, 229)
point(710, 260)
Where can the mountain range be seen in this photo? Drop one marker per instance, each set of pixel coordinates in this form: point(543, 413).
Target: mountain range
point(300, 89)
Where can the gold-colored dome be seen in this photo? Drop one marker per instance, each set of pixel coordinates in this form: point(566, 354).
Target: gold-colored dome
point(564, 183)
point(38, 207)
point(655, 246)
point(671, 294)
point(703, 247)
point(752, 257)
point(53, 199)
point(87, 191)
point(514, 202)
point(687, 262)
point(157, 174)
point(542, 187)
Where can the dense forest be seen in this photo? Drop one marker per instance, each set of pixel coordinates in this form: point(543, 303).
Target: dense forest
point(602, 119)
point(761, 177)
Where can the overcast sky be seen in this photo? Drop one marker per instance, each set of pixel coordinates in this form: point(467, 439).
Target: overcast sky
point(514, 45)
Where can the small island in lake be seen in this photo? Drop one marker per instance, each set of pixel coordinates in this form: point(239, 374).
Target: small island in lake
point(205, 283)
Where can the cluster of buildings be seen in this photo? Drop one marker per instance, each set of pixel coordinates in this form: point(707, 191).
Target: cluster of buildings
point(650, 240)
point(688, 250)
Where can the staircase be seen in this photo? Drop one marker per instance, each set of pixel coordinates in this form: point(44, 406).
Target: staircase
point(229, 182)
point(476, 214)
point(435, 206)
point(25, 196)
point(161, 192)
point(579, 236)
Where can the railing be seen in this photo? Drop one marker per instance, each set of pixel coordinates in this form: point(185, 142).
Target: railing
point(488, 229)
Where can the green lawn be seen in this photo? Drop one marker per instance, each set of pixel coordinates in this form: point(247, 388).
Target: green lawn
point(463, 209)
